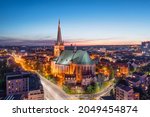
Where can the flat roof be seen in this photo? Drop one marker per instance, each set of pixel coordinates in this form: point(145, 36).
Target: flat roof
point(16, 75)
point(124, 87)
point(133, 79)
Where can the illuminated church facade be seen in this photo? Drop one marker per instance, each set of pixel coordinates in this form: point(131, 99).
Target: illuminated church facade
point(72, 66)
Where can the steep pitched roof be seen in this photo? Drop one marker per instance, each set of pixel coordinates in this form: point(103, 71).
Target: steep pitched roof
point(78, 57)
point(65, 57)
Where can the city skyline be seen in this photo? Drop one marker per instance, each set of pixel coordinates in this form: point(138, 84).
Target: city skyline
point(120, 72)
point(110, 22)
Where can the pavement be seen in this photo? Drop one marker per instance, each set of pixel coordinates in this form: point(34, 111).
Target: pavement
point(105, 92)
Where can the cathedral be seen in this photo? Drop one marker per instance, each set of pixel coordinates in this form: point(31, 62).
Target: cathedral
point(71, 66)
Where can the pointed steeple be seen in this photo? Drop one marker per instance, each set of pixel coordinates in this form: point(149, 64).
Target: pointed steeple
point(59, 37)
point(59, 45)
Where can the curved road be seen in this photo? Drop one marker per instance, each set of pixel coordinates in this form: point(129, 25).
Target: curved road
point(52, 91)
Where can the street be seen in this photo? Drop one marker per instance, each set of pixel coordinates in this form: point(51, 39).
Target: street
point(51, 91)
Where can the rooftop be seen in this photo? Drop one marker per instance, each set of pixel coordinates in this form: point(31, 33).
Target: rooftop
point(34, 80)
point(133, 79)
point(17, 75)
point(78, 57)
point(124, 87)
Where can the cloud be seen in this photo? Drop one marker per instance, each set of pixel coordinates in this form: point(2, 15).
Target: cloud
point(7, 41)
point(49, 41)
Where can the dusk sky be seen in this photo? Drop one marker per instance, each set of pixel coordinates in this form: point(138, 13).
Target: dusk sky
point(82, 21)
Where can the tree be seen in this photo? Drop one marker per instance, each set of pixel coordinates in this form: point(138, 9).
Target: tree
point(106, 83)
point(90, 89)
point(112, 93)
point(131, 68)
point(67, 89)
point(96, 87)
point(112, 73)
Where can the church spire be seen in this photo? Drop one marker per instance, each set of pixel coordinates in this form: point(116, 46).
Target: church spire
point(59, 37)
point(59, 45)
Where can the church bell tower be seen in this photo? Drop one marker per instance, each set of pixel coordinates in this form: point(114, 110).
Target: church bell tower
point(59, 45)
